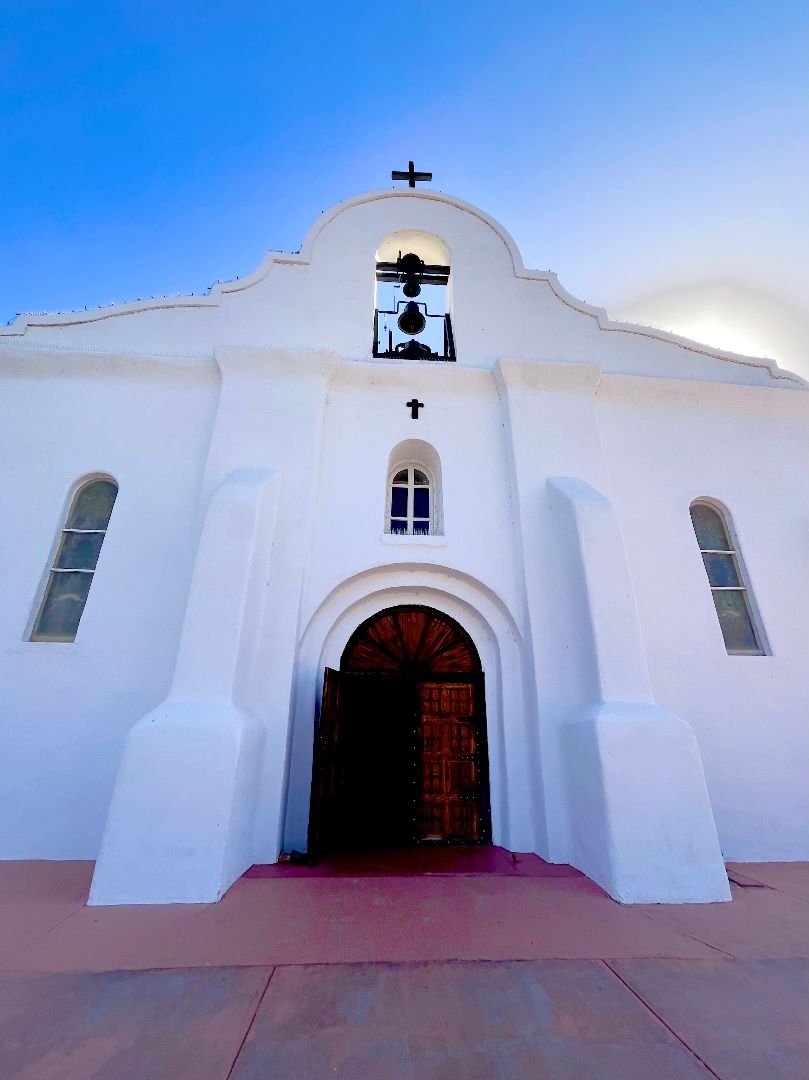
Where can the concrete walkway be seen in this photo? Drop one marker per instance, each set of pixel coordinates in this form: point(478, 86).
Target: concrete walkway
point(509, 970)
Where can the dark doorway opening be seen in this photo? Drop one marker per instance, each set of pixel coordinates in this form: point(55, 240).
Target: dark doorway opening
point(400, 754)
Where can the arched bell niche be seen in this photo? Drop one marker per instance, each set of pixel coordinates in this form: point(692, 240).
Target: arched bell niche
point(430, 248)
point(412, 319)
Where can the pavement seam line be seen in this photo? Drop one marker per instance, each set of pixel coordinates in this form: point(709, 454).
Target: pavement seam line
point(691, 937)
point(249, 1027)
point(774, 888)
point(660, 1019)
point(24, 945)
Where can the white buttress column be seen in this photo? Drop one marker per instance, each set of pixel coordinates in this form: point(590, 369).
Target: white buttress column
point(182, 820)
point(626, 800)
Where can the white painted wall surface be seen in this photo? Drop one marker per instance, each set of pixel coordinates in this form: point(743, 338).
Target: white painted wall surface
point(65, 709)
point(179, 825)
point(748, 449)
point(544, 387)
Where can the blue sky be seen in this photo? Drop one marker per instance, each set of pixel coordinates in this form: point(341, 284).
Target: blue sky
point(643, 151)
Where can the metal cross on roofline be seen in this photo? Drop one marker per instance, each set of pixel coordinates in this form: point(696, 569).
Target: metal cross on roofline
point(411, 175)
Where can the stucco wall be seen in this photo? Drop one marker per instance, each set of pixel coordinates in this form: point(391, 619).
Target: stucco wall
point(66, 708)
point(476, 557)
point(666, 445)
point(531, 398)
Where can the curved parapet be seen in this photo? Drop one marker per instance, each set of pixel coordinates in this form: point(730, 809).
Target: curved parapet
point(322, 297)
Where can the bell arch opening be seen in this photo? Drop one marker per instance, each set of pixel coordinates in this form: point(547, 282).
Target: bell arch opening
point(412, 307)
point(400, 749)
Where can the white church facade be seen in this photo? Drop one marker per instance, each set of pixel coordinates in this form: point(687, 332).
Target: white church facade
point(552, 571)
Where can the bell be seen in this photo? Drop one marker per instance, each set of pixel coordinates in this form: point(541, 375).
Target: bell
point(411, 321)
point(413, 350)
point(410, 266)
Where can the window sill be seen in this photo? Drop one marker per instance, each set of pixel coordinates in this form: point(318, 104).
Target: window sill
point(414, 541)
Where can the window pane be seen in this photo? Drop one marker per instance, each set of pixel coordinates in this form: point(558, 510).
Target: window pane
point(737, 626)
point(79, 551)
point(721, 570)
point(419, 477)
point(400, 477)
point(421, 528)
point(421, 502)
point(398, 502)
point(398, 528)
point(93, 506)
point(710, 530)
point(64, 603)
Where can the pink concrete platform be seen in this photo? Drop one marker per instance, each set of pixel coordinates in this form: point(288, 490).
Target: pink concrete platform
point(407, 862)
point(792, 878)
point(404, 970)
point(349, 918)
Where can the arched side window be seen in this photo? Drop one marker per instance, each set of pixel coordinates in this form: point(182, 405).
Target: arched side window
point(74, 564)
point(413, 493)
point(410, 502)
point(725, 577)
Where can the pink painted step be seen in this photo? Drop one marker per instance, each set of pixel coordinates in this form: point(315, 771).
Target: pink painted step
point(420, 861)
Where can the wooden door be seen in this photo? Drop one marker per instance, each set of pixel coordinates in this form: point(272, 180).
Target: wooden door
point(377, 749)
point(410, 640)
point(326, 772)
point(449, 803)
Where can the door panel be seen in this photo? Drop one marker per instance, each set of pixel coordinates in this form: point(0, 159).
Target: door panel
point(449, 803)
point(326, 770)
point(378, 730)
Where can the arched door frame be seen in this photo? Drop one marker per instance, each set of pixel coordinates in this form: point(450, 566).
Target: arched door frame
point(401, 754)
point(517, 798)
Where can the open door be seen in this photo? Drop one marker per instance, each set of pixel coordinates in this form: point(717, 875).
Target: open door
point(400, 754)
point(323, 823)
point(450, 806)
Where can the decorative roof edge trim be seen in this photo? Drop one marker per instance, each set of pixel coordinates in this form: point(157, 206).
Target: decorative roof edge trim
point(23, 322)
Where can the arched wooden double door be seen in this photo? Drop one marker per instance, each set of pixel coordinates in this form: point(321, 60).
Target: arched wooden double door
point(400, 751)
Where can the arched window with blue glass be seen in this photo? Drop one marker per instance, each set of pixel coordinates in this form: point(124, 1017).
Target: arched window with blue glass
point(413, 502)
point(410, 508)
point(75, 559)
point(734, 603)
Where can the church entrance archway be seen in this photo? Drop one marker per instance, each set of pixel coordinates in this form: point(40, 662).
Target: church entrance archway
point(400, 753)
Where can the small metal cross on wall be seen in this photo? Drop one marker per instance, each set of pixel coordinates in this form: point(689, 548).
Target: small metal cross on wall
point(414, 405)
point(411, 175)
